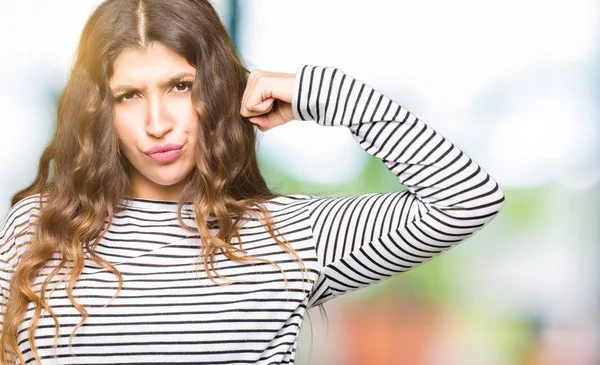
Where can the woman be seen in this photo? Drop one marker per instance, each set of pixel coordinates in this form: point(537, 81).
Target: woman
point(156, 239)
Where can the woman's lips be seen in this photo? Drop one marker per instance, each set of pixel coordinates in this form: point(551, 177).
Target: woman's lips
point(166, 153)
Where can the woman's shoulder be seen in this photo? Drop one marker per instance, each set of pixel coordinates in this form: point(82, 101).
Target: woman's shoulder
point(280, 203)
point(288, 200)
point(22, 210)
point(17, 223)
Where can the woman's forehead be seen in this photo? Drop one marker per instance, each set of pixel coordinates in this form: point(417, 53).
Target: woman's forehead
point(152, 63)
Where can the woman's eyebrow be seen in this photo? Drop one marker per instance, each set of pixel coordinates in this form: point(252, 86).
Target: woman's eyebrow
point(162, 84)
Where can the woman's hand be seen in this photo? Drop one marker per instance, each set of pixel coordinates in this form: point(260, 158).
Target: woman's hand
point(267, 99)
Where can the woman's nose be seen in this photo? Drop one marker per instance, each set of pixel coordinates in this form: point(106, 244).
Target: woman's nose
point(158, 122)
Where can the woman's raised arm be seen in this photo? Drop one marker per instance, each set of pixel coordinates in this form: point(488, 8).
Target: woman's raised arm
point(361, 240)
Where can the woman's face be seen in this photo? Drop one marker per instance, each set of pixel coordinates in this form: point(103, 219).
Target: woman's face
point(155, 120)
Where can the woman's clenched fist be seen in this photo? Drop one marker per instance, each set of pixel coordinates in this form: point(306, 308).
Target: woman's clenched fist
point(267, 99)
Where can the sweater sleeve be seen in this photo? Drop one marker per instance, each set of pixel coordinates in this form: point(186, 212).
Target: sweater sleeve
point(361, 240)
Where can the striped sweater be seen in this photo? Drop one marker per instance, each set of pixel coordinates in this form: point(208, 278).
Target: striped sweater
point(169, 311)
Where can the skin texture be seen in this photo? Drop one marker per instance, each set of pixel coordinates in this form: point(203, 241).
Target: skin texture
point(150, 111)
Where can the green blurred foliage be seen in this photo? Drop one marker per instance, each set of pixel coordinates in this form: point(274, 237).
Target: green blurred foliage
point(524, 207)
point(375, 178)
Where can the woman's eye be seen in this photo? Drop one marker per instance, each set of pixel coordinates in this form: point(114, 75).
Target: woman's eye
point(183, 86)
point(126, 96)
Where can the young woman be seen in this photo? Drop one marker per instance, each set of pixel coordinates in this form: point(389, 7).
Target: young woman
point(149, 235)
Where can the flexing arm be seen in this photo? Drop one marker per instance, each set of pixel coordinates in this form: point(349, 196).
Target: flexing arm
point(363, 239)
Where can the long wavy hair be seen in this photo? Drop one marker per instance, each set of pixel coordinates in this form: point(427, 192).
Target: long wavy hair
point(83, 189)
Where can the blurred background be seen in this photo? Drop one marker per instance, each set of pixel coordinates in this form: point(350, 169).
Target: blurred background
point(514, 83)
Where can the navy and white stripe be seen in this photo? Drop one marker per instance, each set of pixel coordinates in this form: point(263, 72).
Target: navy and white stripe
point(170, 312)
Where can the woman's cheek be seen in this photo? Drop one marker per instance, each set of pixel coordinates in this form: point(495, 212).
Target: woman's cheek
point(186, 114)
point(127, 122)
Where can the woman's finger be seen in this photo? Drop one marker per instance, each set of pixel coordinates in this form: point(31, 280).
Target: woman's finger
point(253, 94)
point(261, 122)
point(263, 107)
